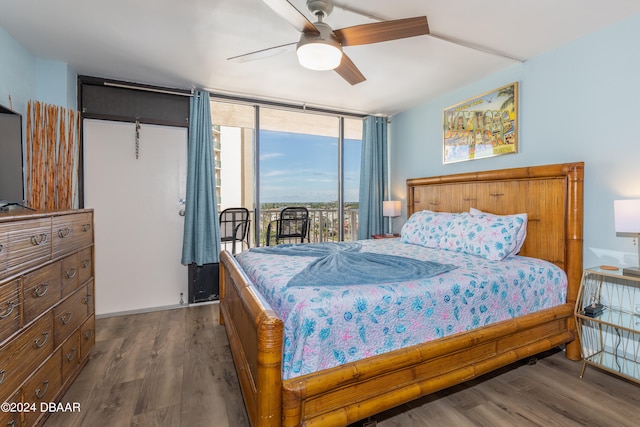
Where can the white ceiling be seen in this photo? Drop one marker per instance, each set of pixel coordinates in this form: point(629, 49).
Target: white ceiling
point(186, 43)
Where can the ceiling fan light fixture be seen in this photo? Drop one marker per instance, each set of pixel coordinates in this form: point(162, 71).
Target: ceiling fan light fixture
point(319, 51)
point(319, 56)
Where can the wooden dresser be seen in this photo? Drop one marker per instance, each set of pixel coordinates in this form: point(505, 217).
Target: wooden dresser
point(47, 323)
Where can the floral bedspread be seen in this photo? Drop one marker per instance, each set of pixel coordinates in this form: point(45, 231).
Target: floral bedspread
point(326, 326)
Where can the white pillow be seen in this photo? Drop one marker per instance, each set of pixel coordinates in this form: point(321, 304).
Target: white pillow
point(522, 231)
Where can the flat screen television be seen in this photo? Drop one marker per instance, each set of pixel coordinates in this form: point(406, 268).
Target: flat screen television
point(11, 163)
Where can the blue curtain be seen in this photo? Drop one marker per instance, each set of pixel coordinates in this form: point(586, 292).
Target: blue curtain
point(373, 176)
point(201, 242)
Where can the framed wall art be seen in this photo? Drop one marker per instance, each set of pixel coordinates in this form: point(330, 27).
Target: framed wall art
point(483, 126)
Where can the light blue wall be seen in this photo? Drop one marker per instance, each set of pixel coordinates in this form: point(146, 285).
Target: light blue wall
point(577, 103)
point(17, 73)
point(26, 78)
point(55, 83)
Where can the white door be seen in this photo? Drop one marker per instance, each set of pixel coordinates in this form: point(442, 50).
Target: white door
point(136, 202)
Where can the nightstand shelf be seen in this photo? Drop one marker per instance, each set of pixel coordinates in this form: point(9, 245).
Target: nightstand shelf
point(615, 364)
point(610, 340)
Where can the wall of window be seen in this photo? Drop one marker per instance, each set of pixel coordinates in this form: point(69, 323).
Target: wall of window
point(270, 158)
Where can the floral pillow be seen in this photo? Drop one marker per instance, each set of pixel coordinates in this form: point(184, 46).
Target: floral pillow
point(522, 232)
point(489, 237)
point(426, 228)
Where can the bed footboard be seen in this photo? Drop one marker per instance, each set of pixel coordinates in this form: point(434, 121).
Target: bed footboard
point(255, 335)
point(345, 394)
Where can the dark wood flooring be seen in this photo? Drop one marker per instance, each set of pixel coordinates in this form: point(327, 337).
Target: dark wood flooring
point(174, 368)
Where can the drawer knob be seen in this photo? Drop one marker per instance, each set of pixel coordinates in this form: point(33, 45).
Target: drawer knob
point(64, 232)
point(1, 246)
point(86, 227)
point(66, 318)
point(39, 239)
point(71, 273)
point(40, 342)
point(2, 372)
point(72, 355)
point(41, 290)
point(40, 394)
point(9, 310)
point(88, 334)
point(86, 263)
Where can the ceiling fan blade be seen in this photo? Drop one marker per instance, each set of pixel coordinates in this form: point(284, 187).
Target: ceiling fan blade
point(348, 71)
point(264, 53)
point(292, 15)
point(383, 31)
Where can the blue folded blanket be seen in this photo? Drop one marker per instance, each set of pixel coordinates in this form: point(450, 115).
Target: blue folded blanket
point(342, 263)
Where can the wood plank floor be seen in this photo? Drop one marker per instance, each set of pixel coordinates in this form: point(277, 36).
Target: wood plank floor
point(174, 368)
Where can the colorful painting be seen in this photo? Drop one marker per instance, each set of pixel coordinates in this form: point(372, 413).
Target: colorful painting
point(484, 126)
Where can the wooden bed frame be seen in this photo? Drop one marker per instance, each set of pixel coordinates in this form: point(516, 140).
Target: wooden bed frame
point(552, 196)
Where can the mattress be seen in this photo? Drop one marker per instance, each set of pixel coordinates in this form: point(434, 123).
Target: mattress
point(327, 326)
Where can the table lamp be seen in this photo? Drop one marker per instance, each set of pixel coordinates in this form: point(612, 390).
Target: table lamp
point(627, 224)
point(392, 208)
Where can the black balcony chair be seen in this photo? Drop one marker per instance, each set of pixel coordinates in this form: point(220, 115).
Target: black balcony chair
point(293, 225)
point(234, 227)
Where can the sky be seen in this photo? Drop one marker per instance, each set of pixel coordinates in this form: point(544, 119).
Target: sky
point(304, 168)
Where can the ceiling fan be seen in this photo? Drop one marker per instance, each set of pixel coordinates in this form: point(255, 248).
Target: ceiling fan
point(320, 46)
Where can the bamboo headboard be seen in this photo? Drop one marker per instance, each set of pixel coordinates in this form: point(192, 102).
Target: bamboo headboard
point(551, 195)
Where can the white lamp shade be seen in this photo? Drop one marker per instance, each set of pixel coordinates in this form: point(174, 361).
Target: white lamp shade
point(319, 56)
point(391, 208)
point(627, 216)
point(319, 51)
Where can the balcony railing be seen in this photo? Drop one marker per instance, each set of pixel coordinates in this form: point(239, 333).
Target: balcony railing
point(323, 225)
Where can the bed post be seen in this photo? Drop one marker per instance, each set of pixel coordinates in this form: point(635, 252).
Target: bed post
point(574, 221)
point(255, 334)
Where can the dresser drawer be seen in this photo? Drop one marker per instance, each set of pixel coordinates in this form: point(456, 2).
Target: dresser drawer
point(87, 337)
point(24, 354)
point(4, 250)
point(43, 386)
point(90, 299)
point(41, 290)
point(9, 309)
point(69, 315)
point(70, 274)
point(28, 244)
point(85, 260)
point(71, 232)
point(70, 355)
point(12, 418)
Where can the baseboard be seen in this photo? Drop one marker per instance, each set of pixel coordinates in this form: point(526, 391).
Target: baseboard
point(151, 309)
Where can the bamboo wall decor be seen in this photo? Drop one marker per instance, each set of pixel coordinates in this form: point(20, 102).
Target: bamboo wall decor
point(52, 156)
